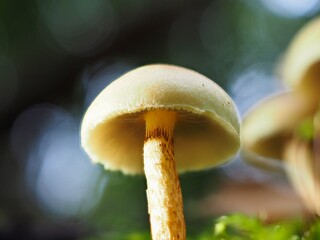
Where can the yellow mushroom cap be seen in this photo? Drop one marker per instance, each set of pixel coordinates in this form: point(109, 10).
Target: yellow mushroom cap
point(267, 128)
point(206, 130)
point(300, 68)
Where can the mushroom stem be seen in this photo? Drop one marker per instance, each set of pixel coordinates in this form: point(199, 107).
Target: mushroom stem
point(316, 153)
point(300, 170)
point(164, 192)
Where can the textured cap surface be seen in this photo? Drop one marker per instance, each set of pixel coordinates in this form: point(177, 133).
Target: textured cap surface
point(206, 131)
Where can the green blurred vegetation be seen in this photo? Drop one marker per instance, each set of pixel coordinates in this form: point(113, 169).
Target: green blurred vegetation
point(239, 227)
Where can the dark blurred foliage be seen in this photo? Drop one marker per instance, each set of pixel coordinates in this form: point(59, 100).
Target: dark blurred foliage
point(55, 57)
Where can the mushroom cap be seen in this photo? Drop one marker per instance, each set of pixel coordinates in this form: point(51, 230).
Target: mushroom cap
point(269, 126)
point(206, 131)
point(300, 68)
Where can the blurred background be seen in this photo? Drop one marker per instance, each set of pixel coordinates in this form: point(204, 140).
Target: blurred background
point(56, 56)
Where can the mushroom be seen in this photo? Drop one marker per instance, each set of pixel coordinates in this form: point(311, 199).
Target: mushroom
point(286, 126)
point(160, 119)
point(274, 135)
point(269, 126)
point(300, 66)
point(303, 172)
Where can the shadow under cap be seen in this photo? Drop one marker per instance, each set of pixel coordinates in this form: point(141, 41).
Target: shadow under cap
point(206, 131)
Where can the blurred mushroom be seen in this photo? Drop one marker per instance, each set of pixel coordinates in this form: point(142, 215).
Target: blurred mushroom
point(270, 125)
point(286, 126)
point(280, 128)
point(160, 119)
point(303, 172)
point(300, 67)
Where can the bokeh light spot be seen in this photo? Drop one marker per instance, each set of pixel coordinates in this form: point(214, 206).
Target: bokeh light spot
point(253, 84)
point(292, 8)
point(95, 78)
point(79, 26)
point(57, 171)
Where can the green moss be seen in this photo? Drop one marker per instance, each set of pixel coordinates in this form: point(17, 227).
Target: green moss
point(239, 227)
point(313, 233)
point(306, 129)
